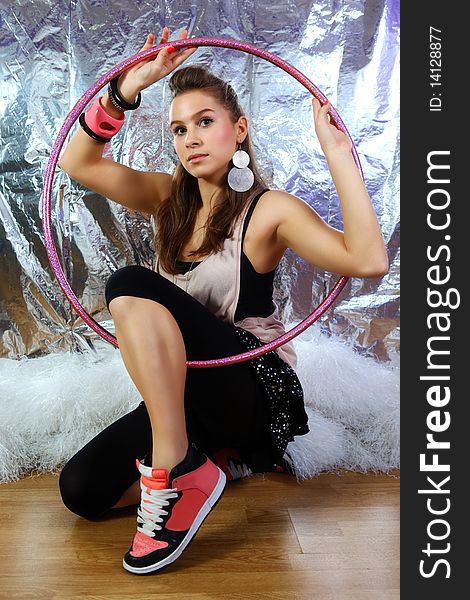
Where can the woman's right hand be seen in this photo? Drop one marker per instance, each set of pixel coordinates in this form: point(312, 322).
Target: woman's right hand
point(146, 72)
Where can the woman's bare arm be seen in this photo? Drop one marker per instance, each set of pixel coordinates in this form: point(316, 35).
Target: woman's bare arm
point(359, 251)
point(136, 190)
point(83, 157)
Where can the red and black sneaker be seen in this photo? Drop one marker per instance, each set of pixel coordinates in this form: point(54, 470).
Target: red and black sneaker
point(173, 507)
point(228, 459)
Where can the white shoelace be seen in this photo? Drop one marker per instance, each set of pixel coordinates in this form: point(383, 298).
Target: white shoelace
point(238, 471)
point(150, 511)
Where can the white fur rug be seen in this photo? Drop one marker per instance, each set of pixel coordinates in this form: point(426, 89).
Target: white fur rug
point(51, 406)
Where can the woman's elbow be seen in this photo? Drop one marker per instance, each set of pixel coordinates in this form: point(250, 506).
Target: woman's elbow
point(67, 167)
point(379, 269)
point(67, 161)
point(62, 164)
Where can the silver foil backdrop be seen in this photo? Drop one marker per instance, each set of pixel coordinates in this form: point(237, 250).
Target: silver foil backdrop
point(52, 51)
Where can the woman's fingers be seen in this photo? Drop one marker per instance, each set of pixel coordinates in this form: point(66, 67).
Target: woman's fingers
point(319, 110)
point(184, 55)
point(148, 43)
point(178, 59)
point(167, 58)
point(316, 107)
point(165, 35)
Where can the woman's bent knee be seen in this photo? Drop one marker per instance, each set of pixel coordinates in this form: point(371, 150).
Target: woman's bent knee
point(122, 306)
point(135, 281)
point(78, 493)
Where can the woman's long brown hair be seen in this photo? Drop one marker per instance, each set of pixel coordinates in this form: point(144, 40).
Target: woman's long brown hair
point(175, 216)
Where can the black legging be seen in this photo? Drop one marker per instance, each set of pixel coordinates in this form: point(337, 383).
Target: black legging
point(224, 406)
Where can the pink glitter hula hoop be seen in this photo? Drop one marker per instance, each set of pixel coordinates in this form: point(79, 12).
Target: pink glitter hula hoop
point(80, 107)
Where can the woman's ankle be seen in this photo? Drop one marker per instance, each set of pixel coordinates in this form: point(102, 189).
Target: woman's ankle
point(167, 458)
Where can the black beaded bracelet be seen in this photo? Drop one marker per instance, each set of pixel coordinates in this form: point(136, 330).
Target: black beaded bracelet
point(118, 99)
point(92, 134)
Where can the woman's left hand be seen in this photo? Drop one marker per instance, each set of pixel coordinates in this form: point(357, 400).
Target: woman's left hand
point(330, 137)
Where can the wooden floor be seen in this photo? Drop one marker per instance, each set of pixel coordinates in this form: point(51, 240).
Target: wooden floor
point(334, 537)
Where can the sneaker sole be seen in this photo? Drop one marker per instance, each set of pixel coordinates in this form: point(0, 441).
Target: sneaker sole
point(205, 509)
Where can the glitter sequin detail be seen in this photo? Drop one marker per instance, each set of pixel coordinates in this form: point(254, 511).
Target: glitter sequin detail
point(283, 390)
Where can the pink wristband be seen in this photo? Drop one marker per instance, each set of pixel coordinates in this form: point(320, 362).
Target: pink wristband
point(96, 117)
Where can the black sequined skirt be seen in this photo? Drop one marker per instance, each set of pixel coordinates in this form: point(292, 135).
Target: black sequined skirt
point(283, 395)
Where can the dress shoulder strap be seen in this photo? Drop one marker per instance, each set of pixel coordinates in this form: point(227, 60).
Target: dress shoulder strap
point(250, 210)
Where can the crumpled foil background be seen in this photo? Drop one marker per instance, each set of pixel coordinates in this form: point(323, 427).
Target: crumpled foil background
point(52, 51)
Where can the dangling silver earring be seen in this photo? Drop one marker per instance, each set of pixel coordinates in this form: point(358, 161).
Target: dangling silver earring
point(241, 177)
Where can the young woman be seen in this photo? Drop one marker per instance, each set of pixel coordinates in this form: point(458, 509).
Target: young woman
point(220, 235)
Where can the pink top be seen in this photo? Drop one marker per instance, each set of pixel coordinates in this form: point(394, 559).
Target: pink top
point(215, 283)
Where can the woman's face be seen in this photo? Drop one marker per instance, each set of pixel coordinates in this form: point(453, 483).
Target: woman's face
point(200, 125)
